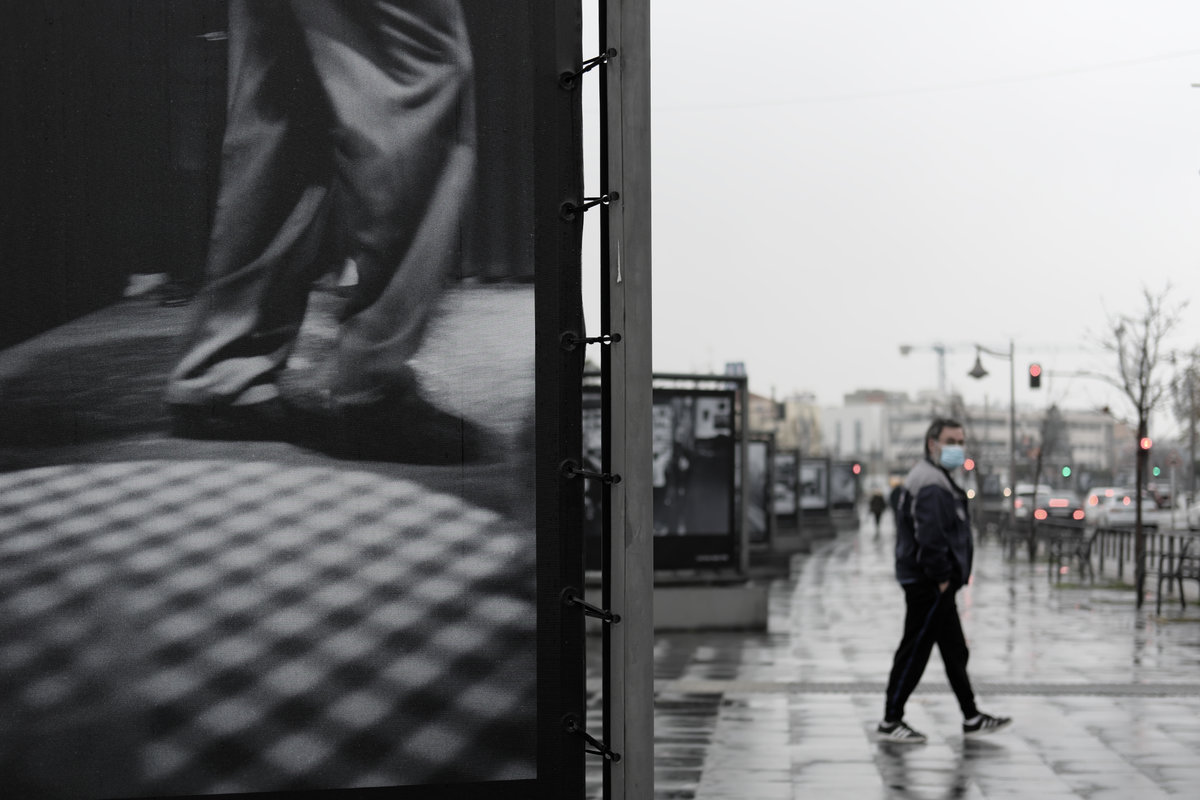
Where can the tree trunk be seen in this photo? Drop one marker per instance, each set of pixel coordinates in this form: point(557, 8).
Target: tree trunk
point(1139, 532)
point(1037, 478)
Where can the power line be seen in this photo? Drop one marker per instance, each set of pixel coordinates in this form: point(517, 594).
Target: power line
point(981, 83)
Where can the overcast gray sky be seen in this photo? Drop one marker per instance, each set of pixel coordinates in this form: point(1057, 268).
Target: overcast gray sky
point(834, 179)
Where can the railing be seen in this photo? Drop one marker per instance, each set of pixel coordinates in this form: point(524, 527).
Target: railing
point(1096, 551)
point(1119, 545)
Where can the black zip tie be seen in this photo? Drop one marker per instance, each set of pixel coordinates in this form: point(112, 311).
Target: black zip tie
point(570, 339)
point(568, 210)
point(567, 79)
point(571, 725)
point(571, 597)
point(572, 470)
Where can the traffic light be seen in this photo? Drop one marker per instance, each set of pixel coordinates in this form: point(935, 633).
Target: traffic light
point(1156, 472)
point(1066, 472)
point(856, 469)
point(1035, 376)
point(1145, 443)
point(969, 464)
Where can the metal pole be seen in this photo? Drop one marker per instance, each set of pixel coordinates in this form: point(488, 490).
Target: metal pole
point(1012, 439)
point(1192, 433)
point(743, 436)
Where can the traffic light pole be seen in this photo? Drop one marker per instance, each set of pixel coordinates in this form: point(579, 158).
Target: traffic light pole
point(1012, 440)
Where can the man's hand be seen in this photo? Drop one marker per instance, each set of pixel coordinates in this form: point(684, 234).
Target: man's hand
point(942, 586)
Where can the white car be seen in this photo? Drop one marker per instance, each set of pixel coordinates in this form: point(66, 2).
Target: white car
point(1116, 507)
point(1111, 507)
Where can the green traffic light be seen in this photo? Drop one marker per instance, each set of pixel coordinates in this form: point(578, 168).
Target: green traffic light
point(1157, 471)
point(1066, 472)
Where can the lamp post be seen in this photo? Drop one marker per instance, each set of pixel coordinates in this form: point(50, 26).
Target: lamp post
point(978, 372)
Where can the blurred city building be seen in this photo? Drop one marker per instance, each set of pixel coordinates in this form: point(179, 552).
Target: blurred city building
point(885, 430)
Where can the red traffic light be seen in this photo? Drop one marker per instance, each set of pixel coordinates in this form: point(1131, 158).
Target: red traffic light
point(856, 469)
point(1035, 370)
point(1145, 443)
point(969, 464)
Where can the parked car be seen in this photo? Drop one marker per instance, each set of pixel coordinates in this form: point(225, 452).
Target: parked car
point(1116, 507)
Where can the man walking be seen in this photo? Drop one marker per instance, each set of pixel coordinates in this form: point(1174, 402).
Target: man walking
point(933, 561)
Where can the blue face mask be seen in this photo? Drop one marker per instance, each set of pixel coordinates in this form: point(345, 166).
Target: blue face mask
point(953, 456)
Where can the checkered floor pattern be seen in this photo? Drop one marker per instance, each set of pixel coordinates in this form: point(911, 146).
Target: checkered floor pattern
point(219, 626)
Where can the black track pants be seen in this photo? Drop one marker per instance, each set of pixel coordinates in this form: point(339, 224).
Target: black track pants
point(932, 617)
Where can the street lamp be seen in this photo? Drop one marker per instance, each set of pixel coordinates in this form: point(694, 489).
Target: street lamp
point(978, 372)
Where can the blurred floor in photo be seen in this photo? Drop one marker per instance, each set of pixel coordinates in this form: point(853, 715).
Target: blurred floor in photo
point(185, 616)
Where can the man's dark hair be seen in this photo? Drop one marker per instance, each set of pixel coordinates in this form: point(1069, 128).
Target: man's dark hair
point(935, 430)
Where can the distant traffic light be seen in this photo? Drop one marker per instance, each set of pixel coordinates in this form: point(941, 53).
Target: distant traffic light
point(1156, 471)
point(969, 464)
point(1066, 472)
point(1145, 443)
point(856, 469)
point(1035, 376)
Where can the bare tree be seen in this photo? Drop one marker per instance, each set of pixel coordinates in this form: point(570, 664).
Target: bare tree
point(1053, 441)
point(1185, 391)
point(1137, 341)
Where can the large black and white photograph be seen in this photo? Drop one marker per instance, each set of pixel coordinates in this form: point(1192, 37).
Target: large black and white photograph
point(759, 453)
point(267, 395)
point(692, 439)
point(693, 472)
point(785, 483)
point(843, 484)
point(814, 484)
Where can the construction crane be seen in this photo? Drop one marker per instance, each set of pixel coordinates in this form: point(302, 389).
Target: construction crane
point(941, 350)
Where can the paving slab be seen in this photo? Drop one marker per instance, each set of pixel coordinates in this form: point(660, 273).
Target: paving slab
point(1105, 696)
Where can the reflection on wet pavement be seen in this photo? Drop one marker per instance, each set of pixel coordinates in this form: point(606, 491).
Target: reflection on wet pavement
point(1105, 697)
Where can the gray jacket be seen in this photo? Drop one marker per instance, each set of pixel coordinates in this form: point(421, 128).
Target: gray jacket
point(933, 528)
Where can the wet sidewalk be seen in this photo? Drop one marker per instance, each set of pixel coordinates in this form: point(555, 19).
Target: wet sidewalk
point(1105, 697)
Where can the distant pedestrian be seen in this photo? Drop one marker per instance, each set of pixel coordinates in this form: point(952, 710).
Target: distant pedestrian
point(877, 504)
point(934, 549)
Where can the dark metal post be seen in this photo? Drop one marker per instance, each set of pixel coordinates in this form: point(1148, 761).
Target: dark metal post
point(625, 258)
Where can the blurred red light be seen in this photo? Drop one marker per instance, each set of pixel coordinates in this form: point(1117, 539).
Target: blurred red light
point(1078, 513)
point(1059, 502)
point(1035, 369)
point(1040, 514)
point(969, 464)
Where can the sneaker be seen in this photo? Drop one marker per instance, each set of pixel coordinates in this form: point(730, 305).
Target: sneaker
point(986, 723)
point(899, 732)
